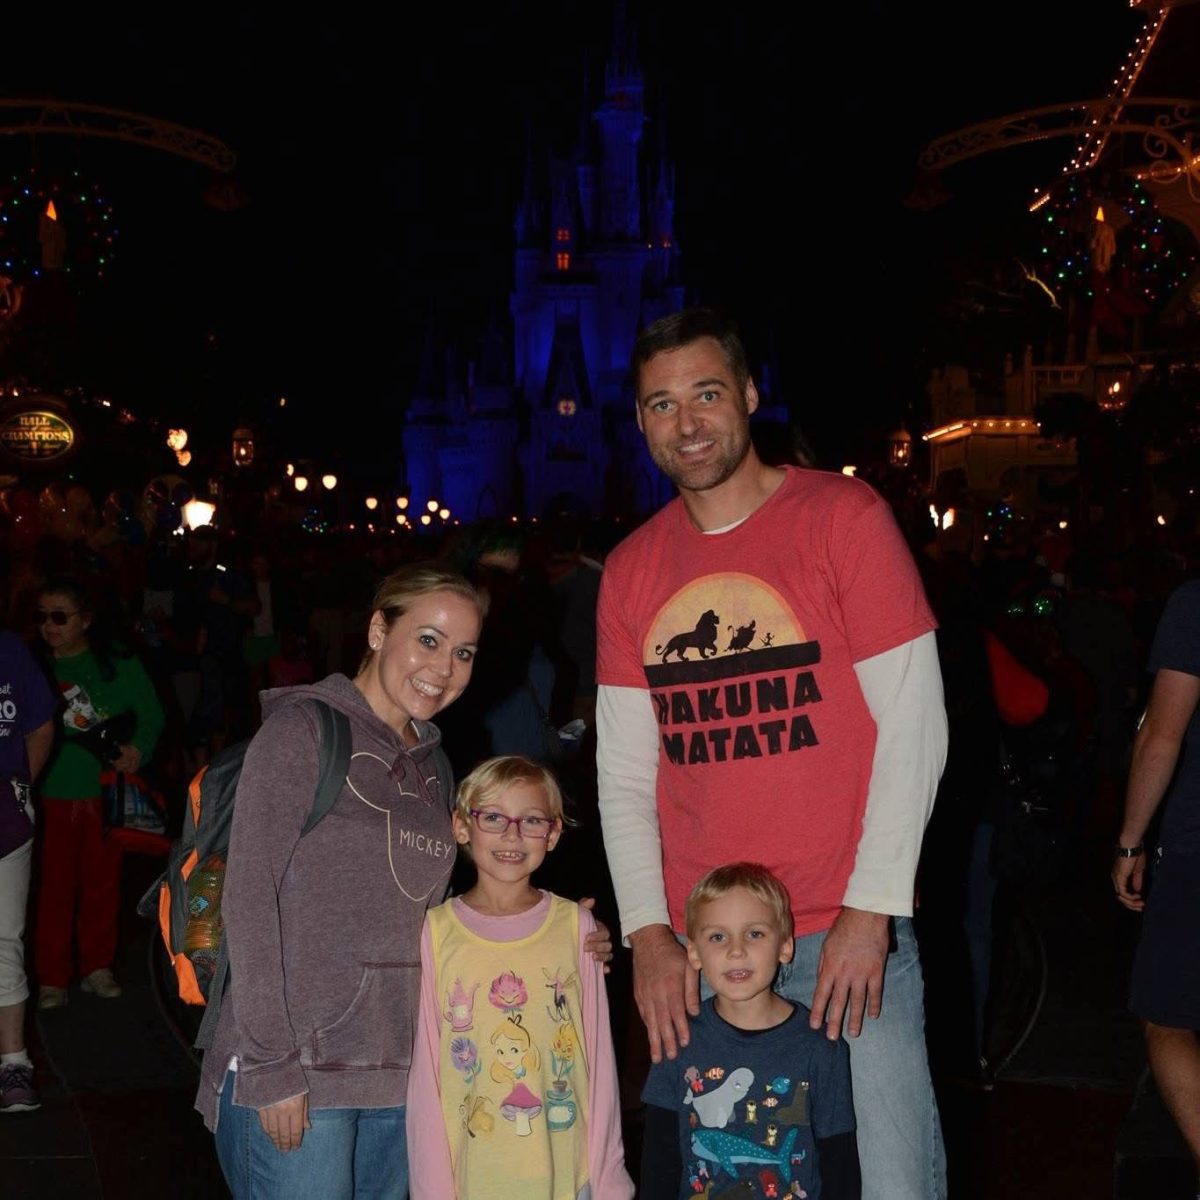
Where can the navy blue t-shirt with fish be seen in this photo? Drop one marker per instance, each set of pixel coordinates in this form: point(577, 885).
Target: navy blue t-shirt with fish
point(752, 1104)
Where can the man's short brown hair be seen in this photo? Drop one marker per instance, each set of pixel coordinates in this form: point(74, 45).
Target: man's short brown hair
point(682, 329)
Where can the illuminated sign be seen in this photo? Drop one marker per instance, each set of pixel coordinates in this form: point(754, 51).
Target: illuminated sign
point(36, 436)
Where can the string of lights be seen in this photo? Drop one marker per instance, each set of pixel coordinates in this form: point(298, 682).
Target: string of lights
point(1092, 144)
point(55, 222)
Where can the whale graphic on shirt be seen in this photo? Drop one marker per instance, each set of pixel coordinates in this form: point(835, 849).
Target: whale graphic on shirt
point(730, 1151)
point(715, 1109)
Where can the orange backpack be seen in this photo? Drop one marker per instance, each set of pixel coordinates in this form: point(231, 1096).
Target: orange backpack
point(186, 899)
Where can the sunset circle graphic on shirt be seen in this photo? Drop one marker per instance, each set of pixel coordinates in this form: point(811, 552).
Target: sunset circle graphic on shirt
point(728, 613)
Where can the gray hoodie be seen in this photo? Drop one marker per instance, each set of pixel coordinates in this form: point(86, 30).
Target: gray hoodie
point(324, 932)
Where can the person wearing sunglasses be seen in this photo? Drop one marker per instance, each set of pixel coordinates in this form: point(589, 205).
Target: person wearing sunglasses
point(79, 890)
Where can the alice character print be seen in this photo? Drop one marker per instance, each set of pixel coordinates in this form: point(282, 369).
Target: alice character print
point(715, 1109)
point(559, 987)
point(520, 1106)
point(460, 1006)
point(465, 1057)
point(515, 1055)
point(560, 1107)
point(508, 993)
point(475, 1116)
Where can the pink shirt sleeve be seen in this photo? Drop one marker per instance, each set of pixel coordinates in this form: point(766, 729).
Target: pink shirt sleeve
point(431, 1175)
point(606, 1151)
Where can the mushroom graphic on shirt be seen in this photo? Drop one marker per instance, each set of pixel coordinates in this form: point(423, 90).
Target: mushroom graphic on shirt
point(521, 1106)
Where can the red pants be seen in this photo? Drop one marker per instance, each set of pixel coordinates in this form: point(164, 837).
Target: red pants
point(80, 872)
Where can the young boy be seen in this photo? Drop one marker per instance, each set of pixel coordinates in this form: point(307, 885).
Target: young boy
point(758, 1104)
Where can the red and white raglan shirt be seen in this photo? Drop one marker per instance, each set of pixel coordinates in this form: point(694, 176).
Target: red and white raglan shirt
point(769, 692)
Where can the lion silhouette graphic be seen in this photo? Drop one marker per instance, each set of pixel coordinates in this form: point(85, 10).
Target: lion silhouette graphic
point(702, 638)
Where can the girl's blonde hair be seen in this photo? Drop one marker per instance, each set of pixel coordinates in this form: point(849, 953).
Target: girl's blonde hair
point(755, 878)
point(494, 776)
point(402, 588)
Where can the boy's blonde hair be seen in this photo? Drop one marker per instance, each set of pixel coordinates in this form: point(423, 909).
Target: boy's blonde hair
point(755, 878)
point(494, 776)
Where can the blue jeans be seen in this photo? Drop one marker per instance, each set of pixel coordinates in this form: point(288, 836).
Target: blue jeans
point(899, 1134)
point(348, 1154)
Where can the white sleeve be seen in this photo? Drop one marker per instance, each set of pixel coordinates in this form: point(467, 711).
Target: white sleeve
point(903, 690)
point(627, 769)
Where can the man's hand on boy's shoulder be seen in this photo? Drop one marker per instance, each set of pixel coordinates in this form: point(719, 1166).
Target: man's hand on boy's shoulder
point(850, 973)
point(666, 988)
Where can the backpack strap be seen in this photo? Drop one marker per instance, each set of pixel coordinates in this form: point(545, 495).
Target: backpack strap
point(334, 758)
point(333, 755)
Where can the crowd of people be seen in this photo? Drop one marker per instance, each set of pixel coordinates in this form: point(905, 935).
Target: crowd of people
point(762, 700)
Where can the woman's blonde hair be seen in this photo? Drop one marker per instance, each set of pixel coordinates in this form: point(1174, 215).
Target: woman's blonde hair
point(755, 878)
point(402, 588)
point(494, 776)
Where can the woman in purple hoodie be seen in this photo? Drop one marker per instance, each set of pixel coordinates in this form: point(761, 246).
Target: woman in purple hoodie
point(305, 1082)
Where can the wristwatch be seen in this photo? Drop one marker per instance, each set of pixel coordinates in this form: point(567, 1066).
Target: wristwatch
point(1130, 851)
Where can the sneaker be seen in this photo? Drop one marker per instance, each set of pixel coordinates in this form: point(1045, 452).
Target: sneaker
point(51, 997)
point(101, 983)
point(17, 1093)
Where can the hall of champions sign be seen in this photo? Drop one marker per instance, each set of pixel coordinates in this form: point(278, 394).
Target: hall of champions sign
point(36, 436)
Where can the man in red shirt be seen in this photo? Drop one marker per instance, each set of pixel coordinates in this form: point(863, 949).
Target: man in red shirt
point(769, 690)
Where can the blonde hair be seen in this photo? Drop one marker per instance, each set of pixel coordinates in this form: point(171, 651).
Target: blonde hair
point(494, 776)
point(755, 878)
point(402, 588)
point(514, 1031)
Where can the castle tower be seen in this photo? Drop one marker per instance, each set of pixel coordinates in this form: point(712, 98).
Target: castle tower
point(620, 119)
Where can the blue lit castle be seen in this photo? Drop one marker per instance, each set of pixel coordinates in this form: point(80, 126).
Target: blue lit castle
point(547, 422)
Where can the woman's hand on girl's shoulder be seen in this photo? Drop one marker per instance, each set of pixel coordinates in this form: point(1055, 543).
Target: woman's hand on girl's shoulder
point(598, 943)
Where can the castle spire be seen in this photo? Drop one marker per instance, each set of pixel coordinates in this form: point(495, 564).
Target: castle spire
point(620, 118)
point(528, 211)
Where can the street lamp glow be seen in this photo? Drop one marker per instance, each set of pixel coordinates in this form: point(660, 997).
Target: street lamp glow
point(401, 502)
point(301, 483)
point(372, 503)
point(329, 482)
point(177, 438)
point(197, 513)
point(444, 513)
point(432, 506)
point(290, 469)
point(183, 457)
point(849, 469)
point(425, 518)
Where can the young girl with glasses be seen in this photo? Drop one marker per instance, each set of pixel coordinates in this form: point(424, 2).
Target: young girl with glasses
point(513, 1087)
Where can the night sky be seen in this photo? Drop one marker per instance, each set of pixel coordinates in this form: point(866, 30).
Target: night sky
point(381, 158)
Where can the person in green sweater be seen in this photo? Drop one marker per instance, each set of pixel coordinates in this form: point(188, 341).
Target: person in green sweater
point(104, 694)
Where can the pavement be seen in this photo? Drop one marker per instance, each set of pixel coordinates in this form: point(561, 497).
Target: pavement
point(1070, 1114)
